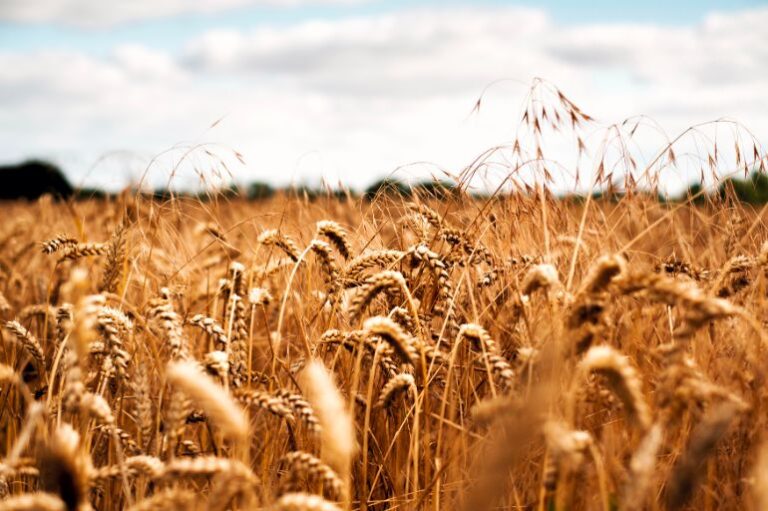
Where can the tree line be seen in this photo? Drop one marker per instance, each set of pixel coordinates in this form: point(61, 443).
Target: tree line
point(34, 178)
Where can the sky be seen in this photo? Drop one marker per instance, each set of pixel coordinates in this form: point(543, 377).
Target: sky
point(349, 91)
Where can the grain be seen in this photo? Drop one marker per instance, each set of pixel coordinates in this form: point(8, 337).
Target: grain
point(213, 398)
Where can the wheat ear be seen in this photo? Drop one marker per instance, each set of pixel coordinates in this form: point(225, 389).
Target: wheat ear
point(213, 398)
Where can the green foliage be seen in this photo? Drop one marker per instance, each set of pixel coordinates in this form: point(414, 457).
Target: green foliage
point(259, 190)
point(753, 190)
point(434, 189)
point(388, 186)
point(89, 193)
point(695, 193)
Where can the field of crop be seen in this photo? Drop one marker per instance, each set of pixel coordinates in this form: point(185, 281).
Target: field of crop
point(517, 352)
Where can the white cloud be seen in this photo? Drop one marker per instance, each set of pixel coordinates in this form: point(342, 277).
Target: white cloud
point(101, 13)
point(414, 52)
point(353, 99)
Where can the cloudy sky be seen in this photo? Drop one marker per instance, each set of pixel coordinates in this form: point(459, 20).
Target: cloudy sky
point(350, 90)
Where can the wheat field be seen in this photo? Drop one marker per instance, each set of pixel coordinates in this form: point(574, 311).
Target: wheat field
point(514, 352)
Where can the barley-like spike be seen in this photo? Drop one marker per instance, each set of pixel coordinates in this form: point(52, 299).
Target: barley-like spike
point(28, 341)
point(399, 383)
point(394, 335)
point(165, 323)
point(286, 244)
point(55, 244)
point(133, 466)
point(211, 327)
point(623, 380)
point(45, 310)
point(143, 405)
point(603, 272)
point(483, 342)
point(437, 265)
point(304, 502)
point(304, 464)
point(336, 235)
point(541, 276)
point(301, 408)
point(80, 250)
point(732, 277)
point(566, 450)
point(274, 405)
point(168, 499)
point(378, 283)
point(207, 466)
point(33, 502)
point(331, 270)
point(381, 258)
point(116, 253)
point(216, 401)
point(113, 325)
point(479, 338)
point(698, 308)
point(259, 296)
point(339, 442)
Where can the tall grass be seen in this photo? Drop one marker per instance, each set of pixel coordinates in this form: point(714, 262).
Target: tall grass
point(511, 352)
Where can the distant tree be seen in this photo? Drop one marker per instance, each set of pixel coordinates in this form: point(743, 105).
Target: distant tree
point(434, 189)
point(342, 195)
point(259, 190)
point(303, 192)
point(695, 193)
point(31, 179)
point(387, 186)
point(753, 190)
point(89, 193)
